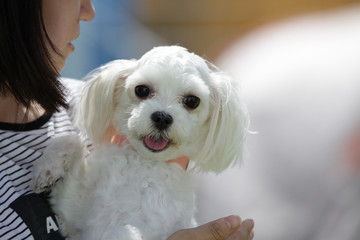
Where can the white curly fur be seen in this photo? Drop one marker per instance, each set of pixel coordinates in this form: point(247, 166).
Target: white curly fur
point(130, 192)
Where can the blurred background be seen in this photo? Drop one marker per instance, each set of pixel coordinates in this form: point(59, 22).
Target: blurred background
point(128, 28)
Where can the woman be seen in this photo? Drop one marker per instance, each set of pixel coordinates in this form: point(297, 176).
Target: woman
point(35, 105)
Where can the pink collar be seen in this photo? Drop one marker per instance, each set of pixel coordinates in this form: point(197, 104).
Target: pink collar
point(183, 161)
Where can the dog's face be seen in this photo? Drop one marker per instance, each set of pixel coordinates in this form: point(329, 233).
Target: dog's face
point(163, 110)
point(169, 103)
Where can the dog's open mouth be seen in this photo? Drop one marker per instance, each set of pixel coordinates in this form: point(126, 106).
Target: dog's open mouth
point(156, 144)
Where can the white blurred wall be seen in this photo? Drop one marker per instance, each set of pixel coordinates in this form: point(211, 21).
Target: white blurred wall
point(301, 82)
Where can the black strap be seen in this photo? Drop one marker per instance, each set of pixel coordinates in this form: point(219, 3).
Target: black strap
point(36, 212)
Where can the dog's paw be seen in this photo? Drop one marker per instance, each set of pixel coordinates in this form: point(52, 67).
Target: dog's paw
point(44, 181)
point(55, 161)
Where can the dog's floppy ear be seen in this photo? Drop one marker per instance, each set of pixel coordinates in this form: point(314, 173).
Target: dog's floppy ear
point(94, 112)
point(228, 125)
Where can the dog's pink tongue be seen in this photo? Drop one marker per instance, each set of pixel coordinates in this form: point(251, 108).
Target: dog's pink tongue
point(156, 144)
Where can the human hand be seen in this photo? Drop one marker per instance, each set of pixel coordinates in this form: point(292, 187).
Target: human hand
point(230, 228)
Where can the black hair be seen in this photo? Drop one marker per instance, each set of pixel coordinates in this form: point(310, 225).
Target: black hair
point(26, 68)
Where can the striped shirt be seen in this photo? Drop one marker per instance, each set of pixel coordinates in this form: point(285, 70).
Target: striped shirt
point(20, 147)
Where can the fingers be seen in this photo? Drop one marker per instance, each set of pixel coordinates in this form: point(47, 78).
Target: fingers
point(218, 230)
point(245, 231)
point(221, 228)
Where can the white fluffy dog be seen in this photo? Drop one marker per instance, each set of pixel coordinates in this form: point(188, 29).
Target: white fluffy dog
point(169, 103)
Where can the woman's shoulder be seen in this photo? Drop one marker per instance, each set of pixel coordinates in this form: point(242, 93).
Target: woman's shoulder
point(73, 89)
point(72, 86)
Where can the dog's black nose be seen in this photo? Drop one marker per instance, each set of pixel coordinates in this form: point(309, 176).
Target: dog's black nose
point(161, 120)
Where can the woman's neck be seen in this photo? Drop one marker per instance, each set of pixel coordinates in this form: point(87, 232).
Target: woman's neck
point(11, 111)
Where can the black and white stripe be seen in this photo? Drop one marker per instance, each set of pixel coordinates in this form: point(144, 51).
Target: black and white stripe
point(20, 146)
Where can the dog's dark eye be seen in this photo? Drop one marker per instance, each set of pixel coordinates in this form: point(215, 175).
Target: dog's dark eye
point(191, 102)
point(142, 91)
